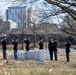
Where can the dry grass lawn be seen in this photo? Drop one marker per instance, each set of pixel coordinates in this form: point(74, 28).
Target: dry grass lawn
point(33, 67)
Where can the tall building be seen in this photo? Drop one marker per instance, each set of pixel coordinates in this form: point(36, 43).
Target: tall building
point(9, 25)
point(18, 15)
point(28, 15)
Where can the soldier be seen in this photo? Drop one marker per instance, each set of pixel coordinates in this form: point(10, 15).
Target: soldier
point(55, 49)
point(51, 48)
point(4, 46)
point(41, 44)
point(27, 41)
point(15, 43)
point(67, 50)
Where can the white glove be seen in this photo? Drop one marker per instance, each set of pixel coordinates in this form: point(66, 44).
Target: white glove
point(38, 41)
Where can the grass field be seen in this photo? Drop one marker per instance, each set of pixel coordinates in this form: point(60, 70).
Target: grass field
point(33, 67)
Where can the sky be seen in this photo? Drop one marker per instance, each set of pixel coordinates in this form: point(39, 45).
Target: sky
point(5, 5)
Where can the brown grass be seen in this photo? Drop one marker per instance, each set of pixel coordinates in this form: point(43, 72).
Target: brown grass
point(33, 67)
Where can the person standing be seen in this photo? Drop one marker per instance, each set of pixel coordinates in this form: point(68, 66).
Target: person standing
point(41, 44)
point(55, 49)
point(67, 50)
point(15, 43)
point(51, 48)
point(4, 46)
point(27, 41)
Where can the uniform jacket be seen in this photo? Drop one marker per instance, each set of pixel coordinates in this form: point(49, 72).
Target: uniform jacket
point(67, 47)
point(4, 47)
point(51, 46)
point(15, 43)
point(41, 45)
point(27, 43)
point(55, 46)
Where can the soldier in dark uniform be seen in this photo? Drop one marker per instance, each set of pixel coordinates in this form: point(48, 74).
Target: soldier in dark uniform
point(67, 50)
point(51, 48)
point(15, 43)
point(27, 41)
point(41, 44)
point(4, 46)
point(55, 49)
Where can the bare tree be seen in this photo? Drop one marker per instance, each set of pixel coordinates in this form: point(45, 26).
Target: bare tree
point(4, 29)
point(68, 25)
point(46, 30)
point(59, 7)
point(22, 26)
point(1, 26)
point(66, 6)
point(34, 24)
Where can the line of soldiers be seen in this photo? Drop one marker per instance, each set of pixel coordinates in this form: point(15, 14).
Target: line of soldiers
point(52, 47)
point(4, 47)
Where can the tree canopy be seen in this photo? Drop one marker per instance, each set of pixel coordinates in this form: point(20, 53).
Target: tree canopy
point(67, 6)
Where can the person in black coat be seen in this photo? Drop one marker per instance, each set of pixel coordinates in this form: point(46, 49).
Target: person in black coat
point(41, 44)
point(15, 43)
point(4, 46)
point(27, 41)
point(67, 50)
point(55, 49)
point(51, 48)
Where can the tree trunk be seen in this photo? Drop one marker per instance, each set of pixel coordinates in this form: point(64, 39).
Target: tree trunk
point(22, 40)
point(58, 40)
point(22, 44)
point(46, 41)
point(35, 40)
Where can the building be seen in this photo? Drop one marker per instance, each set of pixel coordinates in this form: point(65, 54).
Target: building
point(9, 25)
point(18, 15)
point(6, 27)
point(28, 15)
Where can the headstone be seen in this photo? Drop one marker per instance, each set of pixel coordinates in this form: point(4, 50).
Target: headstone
point(59, 51)
point(41, 55)
point(23, 55)
point(47, 55)
point(35, 54)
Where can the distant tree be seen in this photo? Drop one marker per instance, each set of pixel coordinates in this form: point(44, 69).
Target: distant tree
point(22, 26)
point(1, 25)
point(46, 30)
point(66, 6)
point(34, 24)
point(60, 8)
point(68, 26)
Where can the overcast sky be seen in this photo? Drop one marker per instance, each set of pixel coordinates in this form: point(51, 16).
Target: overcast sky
point(4, 5)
